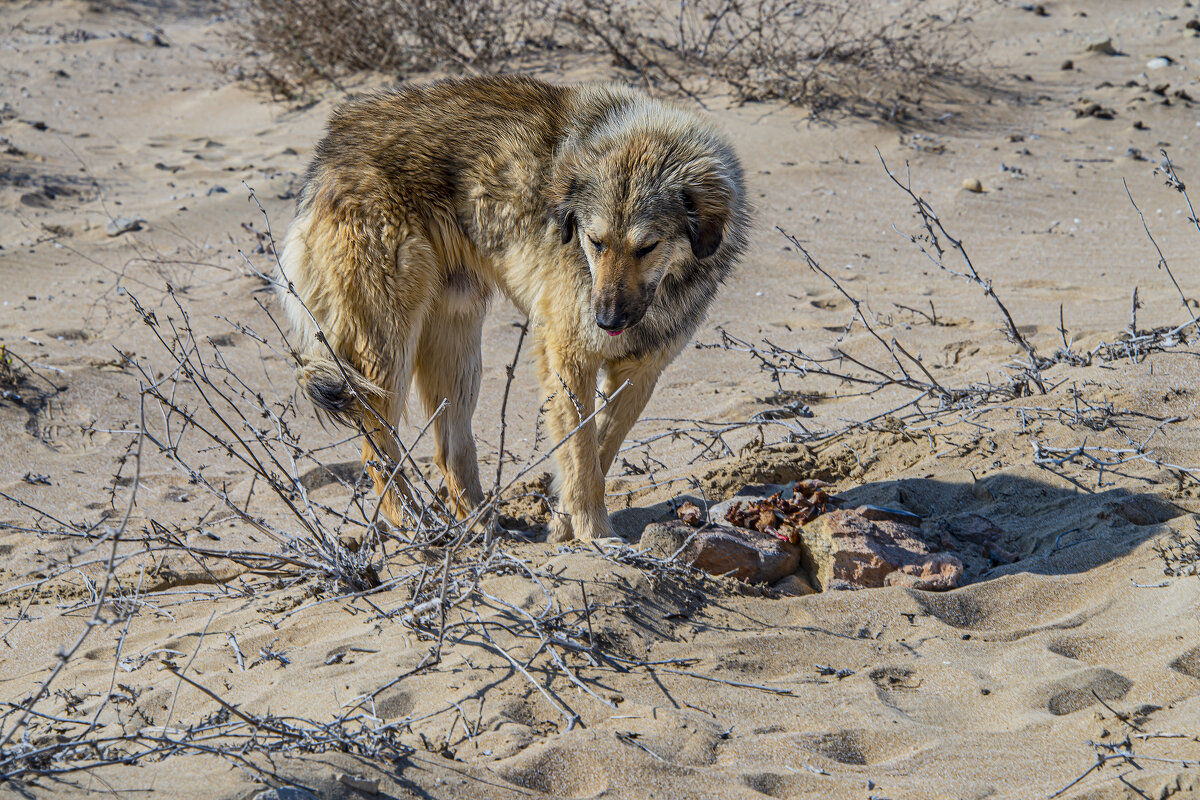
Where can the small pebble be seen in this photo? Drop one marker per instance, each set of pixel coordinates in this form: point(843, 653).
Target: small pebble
point(972, 185)
point(1068, 64)
point(121, 225)
point(1158, 63)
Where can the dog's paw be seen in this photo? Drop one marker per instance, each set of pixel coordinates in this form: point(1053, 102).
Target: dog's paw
point(579, 527)
point(561, 529)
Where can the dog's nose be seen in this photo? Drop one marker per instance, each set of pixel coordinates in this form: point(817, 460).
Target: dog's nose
point(612, 319)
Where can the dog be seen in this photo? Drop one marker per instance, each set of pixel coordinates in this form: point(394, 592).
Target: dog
point(608, 217)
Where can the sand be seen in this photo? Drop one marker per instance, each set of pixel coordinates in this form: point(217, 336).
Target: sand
point(1007, 687)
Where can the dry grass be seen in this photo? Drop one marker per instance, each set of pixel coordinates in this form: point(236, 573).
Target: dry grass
point(878, 59)
point(824, 55)
point(288, 44)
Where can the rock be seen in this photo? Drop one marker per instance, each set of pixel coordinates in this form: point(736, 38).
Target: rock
point(1067, 65)
point(663, 539)
point(746, 555)
point(972, 185)
point(844, 548)
point(1193, 25)
point(937, 573)
point(359, 783)
point(743, 554)
point(796, 585)
point(216, 190)
point(1158, 63)
point(285, 793)
point(1102, 46)
point(116, 227)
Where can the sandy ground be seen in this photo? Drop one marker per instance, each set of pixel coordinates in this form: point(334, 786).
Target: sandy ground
point(1008, 687)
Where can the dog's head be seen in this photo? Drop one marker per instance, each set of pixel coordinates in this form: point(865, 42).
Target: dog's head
point(641, 199)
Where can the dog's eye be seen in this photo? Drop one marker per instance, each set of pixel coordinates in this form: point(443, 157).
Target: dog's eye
point(598, 245)
point(645, 251)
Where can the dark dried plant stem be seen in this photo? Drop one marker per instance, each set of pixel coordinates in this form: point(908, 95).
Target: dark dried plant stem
point(936, 232)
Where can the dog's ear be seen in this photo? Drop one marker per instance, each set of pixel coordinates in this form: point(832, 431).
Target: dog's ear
point(566, 224)
point(707, 199)
point(562, 196)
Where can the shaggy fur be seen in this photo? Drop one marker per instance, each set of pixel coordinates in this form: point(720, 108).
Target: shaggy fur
point(608, 217)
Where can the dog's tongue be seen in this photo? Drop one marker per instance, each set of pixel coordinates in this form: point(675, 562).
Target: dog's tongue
point(614, 333)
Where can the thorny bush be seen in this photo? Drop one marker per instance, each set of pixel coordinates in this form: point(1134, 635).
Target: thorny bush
point(866, 58)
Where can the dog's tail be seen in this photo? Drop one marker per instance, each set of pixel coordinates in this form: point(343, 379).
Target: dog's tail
point(337, 389)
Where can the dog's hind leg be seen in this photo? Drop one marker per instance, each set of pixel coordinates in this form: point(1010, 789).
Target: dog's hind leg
point(366, 287)
point(448, 369)
point(382, 450)
point(625, 406)
point(388, 337)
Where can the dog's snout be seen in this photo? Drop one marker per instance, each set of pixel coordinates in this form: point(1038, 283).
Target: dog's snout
point(611, 316)
point(617, 309)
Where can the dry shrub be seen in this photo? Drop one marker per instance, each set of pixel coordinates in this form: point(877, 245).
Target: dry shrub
point(861, 57)
point(289, 43)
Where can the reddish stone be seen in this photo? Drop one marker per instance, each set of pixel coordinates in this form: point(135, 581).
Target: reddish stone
point(743, 554)
point(846, 549)
point(845, 546)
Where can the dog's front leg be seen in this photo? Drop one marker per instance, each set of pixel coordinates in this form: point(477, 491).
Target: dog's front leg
point(568, 379)
point(626, 402)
